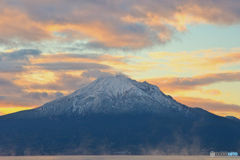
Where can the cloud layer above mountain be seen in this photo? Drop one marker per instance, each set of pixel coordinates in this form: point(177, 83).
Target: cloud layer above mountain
point(108, 24)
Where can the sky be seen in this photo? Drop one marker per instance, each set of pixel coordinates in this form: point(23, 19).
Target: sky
point(190, 49)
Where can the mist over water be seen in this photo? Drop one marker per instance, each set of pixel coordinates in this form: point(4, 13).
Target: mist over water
point(118, 158)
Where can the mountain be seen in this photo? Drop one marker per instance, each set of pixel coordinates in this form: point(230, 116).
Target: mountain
point(116, 115)
point(113, 95)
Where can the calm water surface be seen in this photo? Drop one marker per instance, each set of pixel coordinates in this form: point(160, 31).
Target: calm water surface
point(118, 158)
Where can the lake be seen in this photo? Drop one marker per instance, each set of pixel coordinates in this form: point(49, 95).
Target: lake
point(153, 157)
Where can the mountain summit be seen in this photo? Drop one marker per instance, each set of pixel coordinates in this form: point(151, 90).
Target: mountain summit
point(117, 115)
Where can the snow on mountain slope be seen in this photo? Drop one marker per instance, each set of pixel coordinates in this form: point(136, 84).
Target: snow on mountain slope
point(115, 94)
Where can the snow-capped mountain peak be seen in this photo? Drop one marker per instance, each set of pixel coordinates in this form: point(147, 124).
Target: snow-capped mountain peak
point(111, 85)
point(114, 94)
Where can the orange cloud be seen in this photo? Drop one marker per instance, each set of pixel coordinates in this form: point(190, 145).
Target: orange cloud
point(108, 24)
point(90, 58)
point(17, 101)
point(98, 33)
point(102, 35)
point(126, 63)
point(16, 24)
point(203, 60)
point(229, 58)
point(171, 84)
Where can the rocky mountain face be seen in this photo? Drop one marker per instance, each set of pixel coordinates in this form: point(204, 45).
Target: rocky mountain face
point(116, 115)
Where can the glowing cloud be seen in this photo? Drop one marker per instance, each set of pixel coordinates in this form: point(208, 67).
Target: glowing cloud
point(201, 61)
point(175, 84)
point(110, 24)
